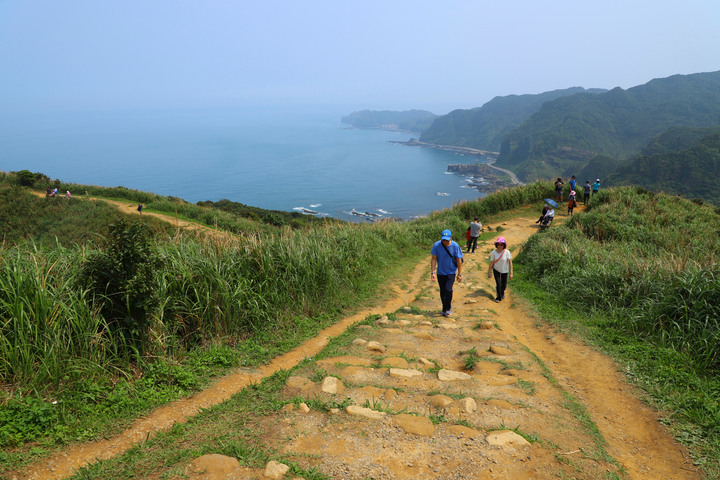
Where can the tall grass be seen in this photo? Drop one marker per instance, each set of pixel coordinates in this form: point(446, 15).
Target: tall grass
point(48, 332)
point(650, 258)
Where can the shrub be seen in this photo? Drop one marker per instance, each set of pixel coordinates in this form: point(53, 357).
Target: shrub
point(123, 280)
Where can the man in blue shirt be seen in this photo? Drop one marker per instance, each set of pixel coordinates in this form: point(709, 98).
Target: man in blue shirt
point(596, 186)
point(446, 256)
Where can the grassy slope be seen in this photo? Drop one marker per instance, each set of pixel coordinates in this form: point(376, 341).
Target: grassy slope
point(92, 398)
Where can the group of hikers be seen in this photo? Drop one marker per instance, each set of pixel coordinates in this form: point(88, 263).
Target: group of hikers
point(446, 256)
point(53, 192)
point(572, 202)
point(446, 263)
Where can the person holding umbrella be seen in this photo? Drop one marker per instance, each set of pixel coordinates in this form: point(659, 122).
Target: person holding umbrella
point(501, 267)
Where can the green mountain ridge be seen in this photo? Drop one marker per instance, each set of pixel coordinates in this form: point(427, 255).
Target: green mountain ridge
point(566, 133)
point(692, 172)
point(484, 127)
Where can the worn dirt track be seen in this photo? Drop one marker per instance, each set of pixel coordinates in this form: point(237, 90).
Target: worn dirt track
point(635, 439)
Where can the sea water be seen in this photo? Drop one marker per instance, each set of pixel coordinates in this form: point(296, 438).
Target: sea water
point(272, 158)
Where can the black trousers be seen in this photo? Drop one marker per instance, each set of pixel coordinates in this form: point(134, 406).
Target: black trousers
point(501, 280)
point(446, 283)
point(472, 243)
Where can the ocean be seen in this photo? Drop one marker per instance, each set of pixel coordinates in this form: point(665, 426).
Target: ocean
point(282, 159)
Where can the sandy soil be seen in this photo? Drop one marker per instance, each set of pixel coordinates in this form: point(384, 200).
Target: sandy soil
point(529, 380)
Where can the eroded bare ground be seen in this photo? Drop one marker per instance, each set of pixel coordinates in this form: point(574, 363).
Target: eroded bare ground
point(419, 422)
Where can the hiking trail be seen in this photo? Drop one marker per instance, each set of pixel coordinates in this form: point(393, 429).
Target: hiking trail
point(529, 382)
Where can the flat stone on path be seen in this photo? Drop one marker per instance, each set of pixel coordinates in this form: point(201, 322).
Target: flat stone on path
point(364, 412)
point(375, 347)
point(504, 404)
point(397, 362)
point(423, 336)
point(506, 438)
point(451, 375)
point(404, 373)
point(448, 326)
point(376, 392)
point(468, 405)
point(296, 384)
point(440, 400)
point(275, 470)
point(332, 385)
point(416, 425)
point(359, 341)
point(498, 380)
point(501, 350)
point(487, 325)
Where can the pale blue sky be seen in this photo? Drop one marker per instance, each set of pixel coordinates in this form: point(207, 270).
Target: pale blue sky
point(390, 54)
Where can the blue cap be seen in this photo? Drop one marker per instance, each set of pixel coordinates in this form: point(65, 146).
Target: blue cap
point(446, 234)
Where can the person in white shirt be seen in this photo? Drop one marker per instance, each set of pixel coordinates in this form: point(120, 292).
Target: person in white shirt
point(501, 267)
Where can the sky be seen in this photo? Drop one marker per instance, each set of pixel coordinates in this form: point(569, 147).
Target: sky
point(380, 55)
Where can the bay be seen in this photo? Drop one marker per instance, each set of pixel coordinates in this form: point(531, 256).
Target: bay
point(273, 158)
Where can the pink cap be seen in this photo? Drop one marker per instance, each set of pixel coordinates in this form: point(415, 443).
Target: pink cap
point(500, 240)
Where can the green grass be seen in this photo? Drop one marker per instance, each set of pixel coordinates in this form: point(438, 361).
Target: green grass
point(68, 374)
point(638, 275)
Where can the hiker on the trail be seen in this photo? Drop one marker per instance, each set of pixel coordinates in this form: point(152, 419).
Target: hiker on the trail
point(586, 192)
point(558, 190)
point(67, 194)
point(474, 231)
point(48, 192)
point(447, 256)
point(139, 209)
point(55, 192)
point(572, 183)
point(571, 202)
point(596, 186)
point(501, 267)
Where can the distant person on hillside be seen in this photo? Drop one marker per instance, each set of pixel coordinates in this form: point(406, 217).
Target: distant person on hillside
point(572, 183)
point(571, 202)
point(67, 194)
point(586, 192)
point(596, 186)
point(447, 256)
point(558, 190)
point(55, 192)
point(139, 209)
point(48, 192)
point(475, 228)
point(501, 267)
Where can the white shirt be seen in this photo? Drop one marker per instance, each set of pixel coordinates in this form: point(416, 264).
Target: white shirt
point(502, 265)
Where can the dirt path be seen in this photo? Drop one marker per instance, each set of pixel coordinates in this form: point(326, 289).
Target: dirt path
point(131, 209)
point(528, 380)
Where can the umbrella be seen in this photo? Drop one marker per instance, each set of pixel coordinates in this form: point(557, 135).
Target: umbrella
point(551, 202)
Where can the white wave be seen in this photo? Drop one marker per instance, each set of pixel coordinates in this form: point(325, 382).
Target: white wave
point(315, 205)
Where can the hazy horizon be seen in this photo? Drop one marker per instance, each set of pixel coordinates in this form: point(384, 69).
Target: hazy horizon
point(371, 55)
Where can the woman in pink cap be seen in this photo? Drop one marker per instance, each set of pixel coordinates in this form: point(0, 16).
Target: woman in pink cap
point(500, 266)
